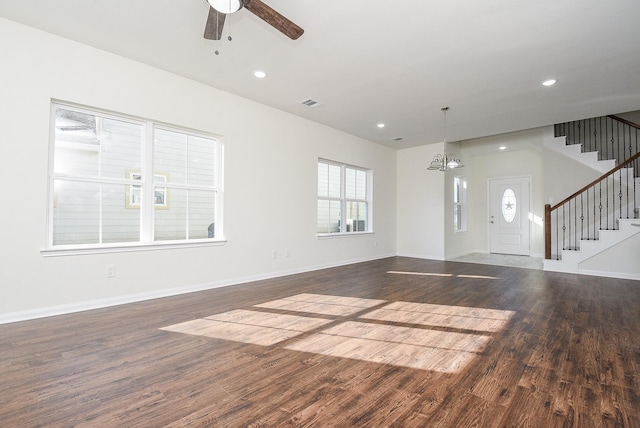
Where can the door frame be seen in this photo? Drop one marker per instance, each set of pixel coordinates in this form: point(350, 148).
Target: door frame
point(489, 206)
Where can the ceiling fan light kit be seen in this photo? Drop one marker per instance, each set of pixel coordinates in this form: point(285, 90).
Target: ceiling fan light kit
point(226, 6)
point(219, 9)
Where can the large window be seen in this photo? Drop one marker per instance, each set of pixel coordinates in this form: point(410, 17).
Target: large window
point(344, 204)
point(117, 180)
point(459, 204)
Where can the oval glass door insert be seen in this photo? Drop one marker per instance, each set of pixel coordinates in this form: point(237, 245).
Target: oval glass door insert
point(509, 205)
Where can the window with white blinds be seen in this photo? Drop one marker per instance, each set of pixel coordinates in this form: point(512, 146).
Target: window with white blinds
point(344, 203)
point(119, 180)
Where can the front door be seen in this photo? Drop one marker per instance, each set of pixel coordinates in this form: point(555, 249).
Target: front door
point(509, 208)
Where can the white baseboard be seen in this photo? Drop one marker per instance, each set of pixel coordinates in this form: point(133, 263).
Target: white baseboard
point(466, 253)
point(420, 256)
point(618, 275)
point(88, 305)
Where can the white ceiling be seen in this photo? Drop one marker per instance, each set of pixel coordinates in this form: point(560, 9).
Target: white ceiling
point(397, 62)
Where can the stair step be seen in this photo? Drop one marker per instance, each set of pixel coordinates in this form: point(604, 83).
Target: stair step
point(589, 159)
point(571, 258)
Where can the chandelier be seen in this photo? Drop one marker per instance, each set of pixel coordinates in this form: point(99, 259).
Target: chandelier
point(445, 162)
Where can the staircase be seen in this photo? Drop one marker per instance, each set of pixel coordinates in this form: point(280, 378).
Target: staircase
point(604, 213)
point(576, 152)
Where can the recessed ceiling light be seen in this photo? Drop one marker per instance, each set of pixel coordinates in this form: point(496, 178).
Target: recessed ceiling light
point(380, 125)
point(549, 82)
point(259, 74)
point(502, 147)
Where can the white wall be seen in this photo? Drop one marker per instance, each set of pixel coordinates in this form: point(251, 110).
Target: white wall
point(270, 184)
point(270, 181)
point(553, 177)
point(425, 198)
point(463, 242)
point(523, 157)
point(620, 261)
point(420, 201)
point(558, 182)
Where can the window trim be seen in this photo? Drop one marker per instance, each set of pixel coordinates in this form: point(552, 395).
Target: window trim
point(344, 200)
point(461, 204)
point(146, 233)
point(77, 250)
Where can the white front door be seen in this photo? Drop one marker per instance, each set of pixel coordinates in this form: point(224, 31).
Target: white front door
point(509, 208)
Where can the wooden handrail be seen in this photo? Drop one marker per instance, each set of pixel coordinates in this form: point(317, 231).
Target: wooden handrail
point(625, 121)
point(597, 180)
point(547, 231)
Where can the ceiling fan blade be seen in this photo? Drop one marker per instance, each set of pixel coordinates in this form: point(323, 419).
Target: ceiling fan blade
point(215, 23)
point(273, 18)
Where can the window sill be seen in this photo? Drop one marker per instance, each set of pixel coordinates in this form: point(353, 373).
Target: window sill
point(125, 248)
point(342, 235)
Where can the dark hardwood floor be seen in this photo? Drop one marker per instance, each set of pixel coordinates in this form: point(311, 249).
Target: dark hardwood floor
point(419, 344)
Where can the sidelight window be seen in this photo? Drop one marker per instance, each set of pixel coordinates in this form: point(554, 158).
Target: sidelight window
point(459, 204)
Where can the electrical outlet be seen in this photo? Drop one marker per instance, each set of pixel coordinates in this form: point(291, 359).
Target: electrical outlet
point(287, 253)
point(110, 271)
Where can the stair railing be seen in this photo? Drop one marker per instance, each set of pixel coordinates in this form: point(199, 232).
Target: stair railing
point(601, 203)
point(596, 206)
point(611, 136)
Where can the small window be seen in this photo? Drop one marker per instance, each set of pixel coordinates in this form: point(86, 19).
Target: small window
point(459, 204)
point(344, 204)
point(509, 205)
point(117, 180)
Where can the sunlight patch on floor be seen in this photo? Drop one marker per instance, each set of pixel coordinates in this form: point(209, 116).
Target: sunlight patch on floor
point(415, 348)
point(421, 273)
point(442, 274)
point(376, 351)
point(426, 340)
point(258, 328)
point(321, 304)
point(410, 336)
point(458, 317)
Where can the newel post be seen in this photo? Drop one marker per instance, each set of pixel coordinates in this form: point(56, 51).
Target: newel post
point(547, 231)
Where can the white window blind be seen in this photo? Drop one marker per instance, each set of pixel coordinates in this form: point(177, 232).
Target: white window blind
point(343, 198)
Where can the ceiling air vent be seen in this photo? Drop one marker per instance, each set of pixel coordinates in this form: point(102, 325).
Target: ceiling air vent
point(310, 103)
point(397, 139)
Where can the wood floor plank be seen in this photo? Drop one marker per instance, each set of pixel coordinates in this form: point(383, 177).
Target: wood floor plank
point(537, 409)
point(398, 342)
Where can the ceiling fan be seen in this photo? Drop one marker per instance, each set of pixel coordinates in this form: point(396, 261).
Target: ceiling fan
point(221, 8)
